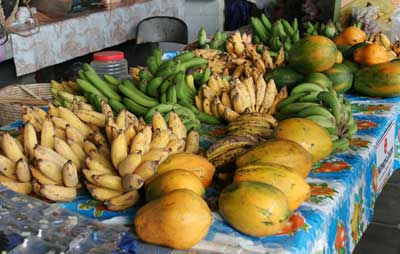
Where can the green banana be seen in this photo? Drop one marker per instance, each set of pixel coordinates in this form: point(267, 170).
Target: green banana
point(259, 29)
point(352, 130)
point(332, 102)
point(185, 112)
point(81, 75)
point(185, 56)
point(134, 107)
point(169, 71)
point(189, 106)
point(206, 76)
point(88, 67)
point(316, 110)
point(208, 119)
point(151, 63)
point(163, 98)
point(145, 75)
point(341, 144)
point(311, 97)
point(202, 37)
point(295, 107)
point(256, 40)
point(197, 75)
point(162, 108)
point(290, 100)
point(182, 91)
point(265, 21)
point(171, 94)
point(102, 85)
point(111, 79)
point(216, 40)
point(193, 63)
point(131, 91)
point(287, 27)
point(306, 88)
point(296, 36)
point(164, 86)
point(157, 53)
point(334, 137)
point(295, 24)
point(117, 106)
point(153, 85)
point(86, 86)
point(142, 85)
point(324, 122)
point(167, 64)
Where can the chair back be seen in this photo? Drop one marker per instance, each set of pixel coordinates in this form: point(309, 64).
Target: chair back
point(162, 29)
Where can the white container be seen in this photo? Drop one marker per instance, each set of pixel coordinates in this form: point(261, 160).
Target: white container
point(111, 62)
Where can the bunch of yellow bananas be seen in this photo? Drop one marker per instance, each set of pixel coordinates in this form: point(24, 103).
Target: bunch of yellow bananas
point(65, 93)
point(229, 100)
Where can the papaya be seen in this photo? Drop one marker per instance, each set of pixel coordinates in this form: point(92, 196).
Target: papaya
point(318, 78)
point(350, 36)
point(312, 54)
point(178, 220)
point(285, 179)
point(174, 180)
point(283, 152)
point(284, 76)
point(191, 162)
point(339, 57)
point(381, 80)
point(353, 66)
point(371, 54)
point(254, 208)
point(311, 136)
point(341, 76)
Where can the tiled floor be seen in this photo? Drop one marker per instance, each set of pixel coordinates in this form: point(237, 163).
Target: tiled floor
point(383, 235)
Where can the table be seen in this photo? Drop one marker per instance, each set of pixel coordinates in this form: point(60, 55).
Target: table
point(344, 188)
point(63, 40)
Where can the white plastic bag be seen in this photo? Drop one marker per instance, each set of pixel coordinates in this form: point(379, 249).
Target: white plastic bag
point(395, 26)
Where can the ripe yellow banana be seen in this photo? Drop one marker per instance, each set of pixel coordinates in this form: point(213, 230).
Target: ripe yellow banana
point(7, 167)
point(192, 142)
point(119, 149)
point(130, 133)
point(123, 201)
point(22, 171)
point(230, 115)
point(70, 175)
point(59, 122)
point(156, 155)
point(106, 109)
point(269, 63)
point(47, 133)
point(146, 170)
point(385, 40)
point(160, 139)
point(50, 170)
point(176, 125)
point(88, 173)
point(91, 117)
point(249, 85)
point(121, 120)
point(214, 107)
point(109, 181)
point(226, 100)
point(97, 165)
point(270, 93)
point(198, 102)
point(89, 147)
point(129, 164)
point(74, 135)
point(60, 133)
point(207, 106)
point(40, 177)
point(85, 106)
point(23, 188)
point(176, 146)
point(29, 118)
point(102, 194)
point(53, 111)
point(221, 109)
point(78, 150)
point(11, 148)
point(238, 104)
point(48, 154)
point(158, 122)
point(74, 121)
point(58, 193)
point(110, 126)
point(260, 91)
point(64, 150)
point(40, 113)
point(132, 182)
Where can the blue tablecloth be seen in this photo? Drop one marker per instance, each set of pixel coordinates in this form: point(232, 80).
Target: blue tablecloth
point(344, 188)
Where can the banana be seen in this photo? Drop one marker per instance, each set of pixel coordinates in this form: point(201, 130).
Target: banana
point(228, 143)
point(47, 133)
point(176, 125)
point(58, 193)
point(206, 105)
point(341, 144)
point(60, 133)
point(352, 129)
point(74, 135)
point(310, 97)
point(78, 150)
point(123, 201)
point(102, 194)
point(146, 170)
point(52, 110)
point(289, 100)
point(192, 142)
point(11, 148)
point(316, 110)
point(295, 107)
point(84, 105)
point(90, 173)
point(230, 115)
point(228, 157)
point(198, 102)
point(306, 88)
point(106, 109)
point(249, 84)
point(214, 107)
point(158, 122)
point(109, 181)
point(138, 145)
point(132, 182)
point(97, 165)
point(29, 118)
point(147, 132)
point(238, 104)
point(119, 149)
point(226, 100)
point(50, 170)
point(91, 117)
point(7, 167)
point(110, 125)
point(130, 133)
point(155, 155)
point(176, 146)
point(70, 175)
point(59, 122)
point(40, 177)
point(129, 164)
point(74, 121)
point(260, 92)
point(270, 93)
point(22, 171)
point(23, 188)
point(89, 147)
point(325, 122)
point(160, 139)
point(121, 120)
point(47, 154)
point(40, 113)
point(385, 40)
point(64, 150)
point(331, 101)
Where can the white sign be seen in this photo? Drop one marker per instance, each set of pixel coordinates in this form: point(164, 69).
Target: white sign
point(385, 156)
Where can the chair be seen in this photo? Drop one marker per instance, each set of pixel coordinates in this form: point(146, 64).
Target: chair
point(153, 30)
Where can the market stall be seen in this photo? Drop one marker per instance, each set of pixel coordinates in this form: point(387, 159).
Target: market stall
point(275, 139)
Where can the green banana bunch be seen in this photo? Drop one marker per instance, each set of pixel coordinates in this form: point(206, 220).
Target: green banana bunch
point(321, 104)
point(217, 41)
point(276, 35)
point(329, 29)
